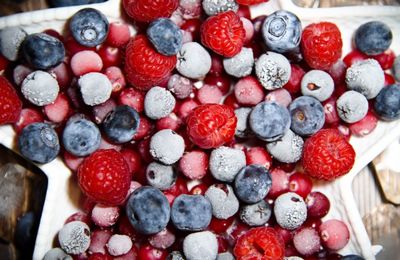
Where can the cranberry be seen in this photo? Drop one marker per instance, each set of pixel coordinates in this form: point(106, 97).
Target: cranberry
point(54, 34)
point(248, 27)
point(280, 96)
point(193, 27)
point(131, 255)
point(317, 205)
point(118, 34)
point(300, 184)
point(133, 98)
point(98, 241)
point(220, 225)
point(248, 91)
point(222, 82)
point(334, 234)
point(72, 46)
point(180, 187)
point(314, 223)
point(20, 72)
point(116, 77)
point(389, 80)
point(222, 244)
point(132, 158)
point(331, 115)
point(354, 56)
point(148, 252)
point(344, 131)
point(209, 94)
point(365, 126)
point(125, 228)
point(58, 111)
point(294, 83)
point(79, 216)
point(340, 89)
point(258, 22)
point(144, 130)
point(244, 11)
point(306, 241)
point(238, 229)
point(162, 240)
point(280, 183)
point(385, 59)
point(217, 68)
point(172, 121)
point(231, 101)
point(27, 117)
point(144, 150)
point(111, 56)
point(286, 235)
point(258, 155)
point(86, 61)
point(101, 111)
point(199, 189)
point(338, 72)
point(3, 63)
point(290, 250)
point(194, 164)
point(63, 74)
point(99, 256)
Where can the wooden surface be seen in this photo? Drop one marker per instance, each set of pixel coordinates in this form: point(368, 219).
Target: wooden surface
point(8, 7)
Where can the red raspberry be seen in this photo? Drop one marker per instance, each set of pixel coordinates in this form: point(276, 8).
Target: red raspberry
point(104, 177)
point(211, 125)
point(149, 10)
point(250, 2)
point(321, 45)
point(223, 33)
point(10, 103)
point(260, 243)
point(144, 66)
point(327, 155)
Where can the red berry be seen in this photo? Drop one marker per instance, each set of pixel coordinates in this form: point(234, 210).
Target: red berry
point(27, 117)
point(338, 72)
point(118, 34)
point(389, 80)
point(133, 98)
point(132, 158)
point(286, 235)
point(317, 205)
point(116, 77)
point(385, 59)
point(260, 243)
point(58, 111)
point(314, 223)
point(258, 155)
point(344, 131)
point(192, 26)
point(231, 101)
point(334, 234)
point(208, 94)
point(86, 61)
point(238, 229)
point(250, 2)
point(131, 255)
point(172, 121)
point(211, 125)
point(110, 56)
point(353, 57)
point(147, 252)
point(194, 164)
point(244, 11)
point(331, 114)
point(186, 107)
point(105, 144)
point(99, 256)
point(365, 126)
point(79, 216)
point(307, 241)
point(327, 155)
point(223, 33)
point(144, 130)
point(294, 83)
point(104, 177)
point(180, 187)
point(222, 244)
point(249, 28)
point(280, 96)
point(72, 161)
point(220, 225)
point(199, 189)
point(10, 103)
point(54, 33)
point(149, 10)
point(20, 72)
point(162, 240)
point(125, 228)
point(221, 81)
point(249, 91)
point(217, 67)
point(300, 184)
point(144, 66)
point(321, 45)
point(72, 46)
point(280, 183)
point(101, 111)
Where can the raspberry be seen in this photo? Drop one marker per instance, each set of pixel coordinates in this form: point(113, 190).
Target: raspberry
point(211, 125)
point(260, 243)
point(104, 177)
point(144, 66)
point(10, 103)
point(149, 10)
point(250, 2)
point(321, 45)
point(327, 155)
point(223, 33)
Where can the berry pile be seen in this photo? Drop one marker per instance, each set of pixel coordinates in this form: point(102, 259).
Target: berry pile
point(181, 149)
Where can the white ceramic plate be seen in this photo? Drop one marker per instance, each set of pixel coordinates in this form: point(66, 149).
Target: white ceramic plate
point(63, 194)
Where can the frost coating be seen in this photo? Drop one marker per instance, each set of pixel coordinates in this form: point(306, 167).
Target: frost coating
point(318, 84)
point(11, 39)
point(290, 210)
point(352, 106)
point(288, 149)
point(193, 61)
point(241, 64)
point(256, 214)
point(74, 237)
point(119, 245)
point(158, 103)
point(273, 70)
point(160, 176)
point(223, 200)
point(95, 88)
point(166, 146)
point(56, 253)
point(200, 246)
point(242, 126)
point(40, 88)
point(226, 162)
point(213, 7)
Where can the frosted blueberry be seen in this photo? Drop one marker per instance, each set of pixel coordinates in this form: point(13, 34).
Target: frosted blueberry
point(119, 245)
point(40, 88)
point(256, 214)
point(387, 103)
point(307, 115)
point(55, 254)
point(160, 176)
point(226, 162)
point(193, 61)
point(166, 146)
point(290, 210)
point(11, 39)
point(200, 246)
point(165, 35)
point(158, 103)
point(273, 70)
point(373, 38)
point(318, 84)
point(95, 88)
point(242, 125)
point(366, 77)
point(288, 149)
point(223, 200)
point(352, 106)
point(241, 64)
point(74, 237)
point(121, 124)
point(213, 7)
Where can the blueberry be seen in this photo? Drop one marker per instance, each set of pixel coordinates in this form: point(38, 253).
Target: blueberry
point(39, 143)
point(373, 38)
point(191, 212)
point(81, 137)
point(273, 70)
point(242, 126)
point(387, 103)
point(11, 39)
point(281, 31)
point(288, 149)
point(121, 124)
point(226, 162)
point(148, 210)
point(252, 183)
point(256, 214)
point(307, 115)
point(160, 176)
point(213, 7)
point(89, 27)
point(396, 68)
point(63, 3)
point(352, 257)
point(290, 210)
point(223, 200)
point(269, 121)
point(200, 246)
point(166, 36)
point(56, 253)
point(352, 106)
point(42, 51)
point(241, 64)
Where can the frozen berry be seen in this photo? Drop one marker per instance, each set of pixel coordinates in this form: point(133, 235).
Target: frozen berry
point(318, 84)
point(280, 96)
point(317, 204)
point(352, 106)
point(288, 149)
point(86, 61)
point(148, 10)
point(290, 210)
point(387, 103)
point(158, 103)
point(200, 245)
point(193, 60)
point(256, 214)
point(280, 183)
point(300, 184)
point(119, 245)
point(223, 200)
point(225, 163)
point(373, 38)
point(121, 124)
point(307, 115)
point(40, 88)
point(194, 164)
point(212, 7)
point(180, 86)
point(166, 146)
point(334, 234)
point(165, 36)
point(307, 241)
point(273, 70)
point(242, 126)
point(160, 176)
point(56, 253)
point(95, 88)
point(248, 91)
point(105, 216)
point(118, 34)
point(74, 237)
point(241, 64)
point(11, 39)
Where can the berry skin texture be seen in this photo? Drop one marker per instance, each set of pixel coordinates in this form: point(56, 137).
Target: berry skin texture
point(327, 155)
point(211, 125)
point(318, 84)
point(373, 38)
point(158, 103)
point(95, 88)
point(149, 10)
point(144, 66)
point(223, 200)
point(104, 165)
point(307, 115)
point(10, 103)
point(307, 241)
point(194, 61)
point(212, 7)
point(288, 149)
point(334, 234)
point(40, 88)
point(118, 34)
point(165, 36)
point(352, 106)
point(321, 45)
point(11, 39)
point(56, 253)
point(256, 214)
point(387, 103)
point(226, 162)
point(273, 70)
point(166, 146)
point(260, 243)
point(223, 33)
point(290, 210)
point(74, 237)
point(200, 246)
point(121, 124)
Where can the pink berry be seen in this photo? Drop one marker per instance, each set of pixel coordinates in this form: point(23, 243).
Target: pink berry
point(133, 98)
point(162, 240)
point(172, 121)
point(116, 77)
point(190, 8)
point(306, 241)
point(334, 234)
point(209, 94)
point(317, 205)
point(144, 130)
point(86, 61)
point(222, 81)
point(105, 144)
point(118, 34)
point(280, 96)
point(338, 71)
point(20, 72)
point(249, 91)
point(258, 155)
point(300, 184)
point(249, 28)
point(294, 84)
point(185, 107)
point(119, 245)
point(180, 86)
point(62, 73)
point(72, 161)
point(98, 241)
point(110, 56)
point(194, 164)
point(132, 158)
point(344, 131)
point(58, 111)
point(331, 115)
point(217, 67)
point(105, 216)
point(287, 235)
point(101, 111)
point(280, 183)
point(27, 117)
point(148, 252)
point(365, 126)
